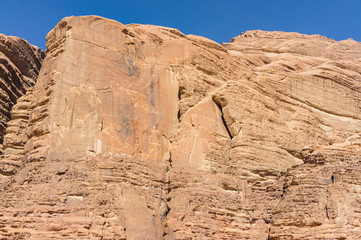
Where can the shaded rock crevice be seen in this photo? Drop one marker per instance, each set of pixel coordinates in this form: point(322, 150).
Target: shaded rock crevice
point(217, 102)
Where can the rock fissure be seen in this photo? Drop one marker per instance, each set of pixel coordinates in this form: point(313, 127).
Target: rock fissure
point(223, 120)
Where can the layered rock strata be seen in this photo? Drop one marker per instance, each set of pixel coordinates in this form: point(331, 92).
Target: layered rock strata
point(142, 132)
point(20, 64)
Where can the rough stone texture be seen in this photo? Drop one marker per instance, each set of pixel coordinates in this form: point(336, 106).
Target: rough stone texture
point(20, 64)
point(141, 132)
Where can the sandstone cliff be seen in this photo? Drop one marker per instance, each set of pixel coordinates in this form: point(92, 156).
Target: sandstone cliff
point(20, 64)
point(142, 132)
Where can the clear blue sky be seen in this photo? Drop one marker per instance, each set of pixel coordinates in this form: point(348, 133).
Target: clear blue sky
point(217, 20)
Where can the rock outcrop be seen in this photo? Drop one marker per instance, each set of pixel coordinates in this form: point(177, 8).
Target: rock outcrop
point(20, 64)
point(142, 132)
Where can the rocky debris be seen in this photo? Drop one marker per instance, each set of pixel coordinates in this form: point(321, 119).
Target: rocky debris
point(141, 132)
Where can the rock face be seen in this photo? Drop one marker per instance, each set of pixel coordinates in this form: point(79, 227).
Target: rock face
point(141, 132)
point(20, 64)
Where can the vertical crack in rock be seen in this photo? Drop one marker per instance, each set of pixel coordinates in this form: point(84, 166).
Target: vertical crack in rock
point(167, 191)
point(181, 89)
point(222, 116)
point(327, 197)
point(178, 115)
point(326, 210)
point(170, 159)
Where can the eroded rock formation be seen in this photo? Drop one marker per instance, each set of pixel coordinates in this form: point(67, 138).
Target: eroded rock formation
point(142, 132)
point(20, 64)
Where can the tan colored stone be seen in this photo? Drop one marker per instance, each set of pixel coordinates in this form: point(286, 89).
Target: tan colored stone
point(20, 64)
point(141, 132)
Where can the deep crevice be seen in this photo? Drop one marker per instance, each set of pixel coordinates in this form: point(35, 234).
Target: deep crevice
point(223, 120)
point(181, 90)
point(178, 115)
point(326, 212)
point(170, 159)
point(269, 234)
point(326, 209)
point(166, 200)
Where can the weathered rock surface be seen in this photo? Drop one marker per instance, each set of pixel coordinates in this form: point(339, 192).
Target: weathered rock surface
point(141, 132)
point(20, 64)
